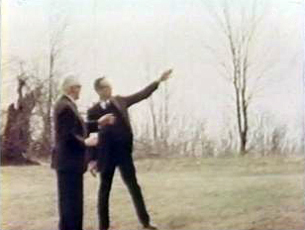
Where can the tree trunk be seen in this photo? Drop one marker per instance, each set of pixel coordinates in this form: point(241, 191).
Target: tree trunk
point(17, 136)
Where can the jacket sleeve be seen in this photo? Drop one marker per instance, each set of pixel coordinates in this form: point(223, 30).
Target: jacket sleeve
point(92, 126)
point(141, 95)
point(67, 127)
point(92, 151)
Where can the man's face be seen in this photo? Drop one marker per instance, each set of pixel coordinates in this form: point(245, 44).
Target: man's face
point(75, 91)
point(104, 89)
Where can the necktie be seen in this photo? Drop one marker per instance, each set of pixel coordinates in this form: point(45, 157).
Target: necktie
point(104, 104)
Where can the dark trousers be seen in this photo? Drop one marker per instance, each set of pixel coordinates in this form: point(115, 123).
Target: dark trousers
point(70, 198)
point(128, 174)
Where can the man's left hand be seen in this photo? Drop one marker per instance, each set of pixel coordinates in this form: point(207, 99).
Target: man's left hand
point(91, 141)
point(93, 168)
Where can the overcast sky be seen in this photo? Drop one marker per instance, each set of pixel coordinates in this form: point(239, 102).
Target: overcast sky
point(131, 41)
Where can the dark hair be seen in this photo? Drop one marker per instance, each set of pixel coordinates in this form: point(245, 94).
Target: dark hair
point(97, 82)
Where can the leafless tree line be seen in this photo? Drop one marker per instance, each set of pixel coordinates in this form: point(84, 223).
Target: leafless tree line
point(27, 124)
point(184, 136)
point(27, 129)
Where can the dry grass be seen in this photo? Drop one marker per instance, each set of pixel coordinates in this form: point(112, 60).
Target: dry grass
point(180, 194)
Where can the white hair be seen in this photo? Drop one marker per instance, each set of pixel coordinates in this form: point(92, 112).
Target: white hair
point(69, 81)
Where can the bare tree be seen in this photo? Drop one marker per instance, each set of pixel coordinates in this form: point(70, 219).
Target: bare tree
point(51, 91)
point(239, 66)
point(160, 116)
point(154, 132)
point(17, 132)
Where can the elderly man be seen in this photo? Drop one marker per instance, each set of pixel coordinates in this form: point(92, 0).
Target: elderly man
point(68, 158)
point(115, 147)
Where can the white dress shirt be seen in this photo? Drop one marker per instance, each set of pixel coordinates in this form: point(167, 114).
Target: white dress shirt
point(104, 104)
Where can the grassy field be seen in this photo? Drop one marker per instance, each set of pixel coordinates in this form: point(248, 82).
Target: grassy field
point(236, 193)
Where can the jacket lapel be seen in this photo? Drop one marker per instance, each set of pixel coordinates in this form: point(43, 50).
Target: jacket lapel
point(120, 109)
point(75, 110)
point(98, 109)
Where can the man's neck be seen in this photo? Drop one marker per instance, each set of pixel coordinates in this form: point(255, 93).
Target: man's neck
point(104, 99)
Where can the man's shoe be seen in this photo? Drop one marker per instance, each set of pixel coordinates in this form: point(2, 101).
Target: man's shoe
point(150, 227)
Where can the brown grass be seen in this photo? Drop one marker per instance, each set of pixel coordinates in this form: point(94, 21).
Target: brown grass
point(239, 193)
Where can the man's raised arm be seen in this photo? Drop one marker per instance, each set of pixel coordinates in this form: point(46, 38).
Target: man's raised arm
point(148, 90)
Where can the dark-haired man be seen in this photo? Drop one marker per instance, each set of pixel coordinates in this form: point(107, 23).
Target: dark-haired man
point(115, 147)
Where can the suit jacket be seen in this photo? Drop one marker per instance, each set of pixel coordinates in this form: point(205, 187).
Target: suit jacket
point(70, 133)
point(122, 103)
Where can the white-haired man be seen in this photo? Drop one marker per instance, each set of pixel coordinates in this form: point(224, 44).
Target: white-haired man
point(68, 158)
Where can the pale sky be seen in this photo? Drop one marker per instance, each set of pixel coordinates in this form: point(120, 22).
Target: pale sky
point(122, 39)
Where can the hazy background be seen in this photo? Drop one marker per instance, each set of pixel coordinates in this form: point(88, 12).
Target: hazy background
point(189, 152)
point(133, 42)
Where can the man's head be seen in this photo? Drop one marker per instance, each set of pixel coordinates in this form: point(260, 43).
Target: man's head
point(103, 88)
point(71, 86)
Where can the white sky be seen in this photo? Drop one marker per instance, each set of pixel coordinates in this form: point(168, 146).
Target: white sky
point(121, 39)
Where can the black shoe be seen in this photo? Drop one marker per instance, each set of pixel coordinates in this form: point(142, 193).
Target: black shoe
point(150, 227)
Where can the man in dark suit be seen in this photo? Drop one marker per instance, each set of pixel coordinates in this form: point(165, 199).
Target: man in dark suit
point(115, 147)
point(68, 158)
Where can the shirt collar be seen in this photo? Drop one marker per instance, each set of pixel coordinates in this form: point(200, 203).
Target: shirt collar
point(104, 101)
point(71, 98)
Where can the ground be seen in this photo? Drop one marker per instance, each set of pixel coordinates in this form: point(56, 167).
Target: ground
point(235, 193)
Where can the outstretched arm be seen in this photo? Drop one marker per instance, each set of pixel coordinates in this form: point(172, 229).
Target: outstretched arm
point(147, 91)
